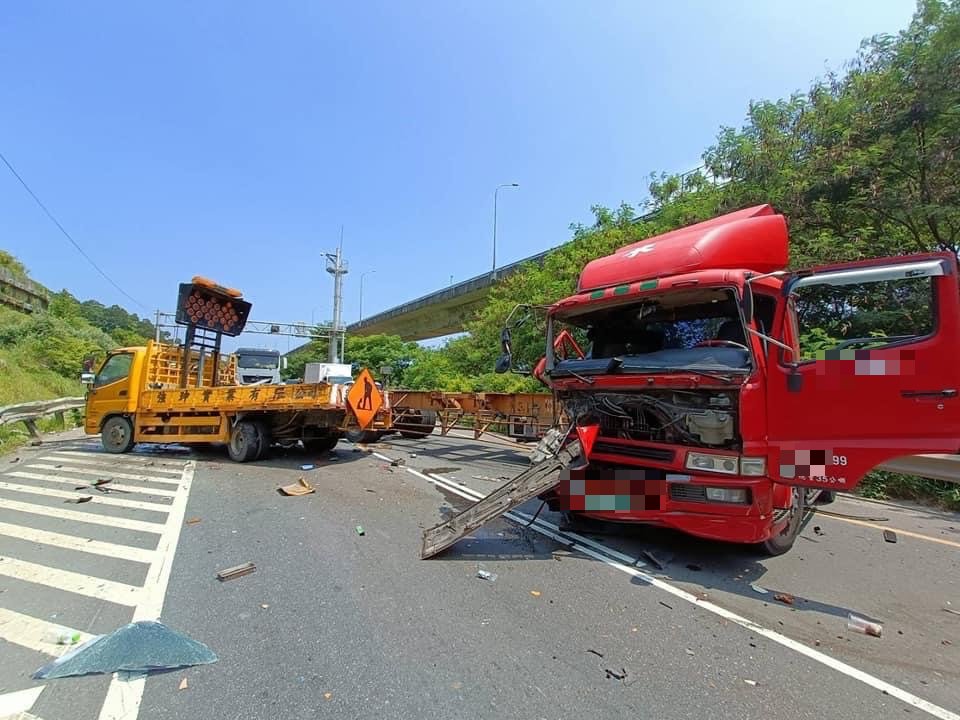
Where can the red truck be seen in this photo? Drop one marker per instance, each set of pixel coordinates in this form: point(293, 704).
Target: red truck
point(719, 393)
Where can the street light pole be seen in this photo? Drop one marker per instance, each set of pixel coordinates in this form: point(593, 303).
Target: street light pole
point(368, 272)
point(506, 185)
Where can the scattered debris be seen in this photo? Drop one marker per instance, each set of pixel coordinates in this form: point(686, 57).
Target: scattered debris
point(36, 443)
point(193, 520)
point(694, 567)
point(614, 674)
point(397, 462)
point(750, 682)
point(370, 491)
point(183, 684)
point(307, 467)
point(890, 536)
point(84, 499)
point(595, 652)
point(237, 571)
point(486, 575)
point(491, 479)
point(413, 455)
point(652, 559)
point(137, 647)
point(300, 487)
point(946, 642)
point(757, 589)
point(668, 607)
point(360, 530)
point(264, 606)
point(15, 460)
point(867, 627)
point(817, 530)
point(785, 598)
point(690, 652)
point(535, 593)
point(327, 695)
point(59, 635)
point(951, 611)
point(439, 470)
point(57, 467)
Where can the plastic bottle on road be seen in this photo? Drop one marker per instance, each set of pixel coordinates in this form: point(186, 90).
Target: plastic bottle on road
point(59, 635)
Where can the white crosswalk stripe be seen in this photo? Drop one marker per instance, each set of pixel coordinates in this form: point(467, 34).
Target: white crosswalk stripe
point(100, 473)
point(48, 549)
point(76, 482)
point(96, 497)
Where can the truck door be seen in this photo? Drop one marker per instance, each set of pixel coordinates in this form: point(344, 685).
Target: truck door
point(111, 393)
point(877, 375)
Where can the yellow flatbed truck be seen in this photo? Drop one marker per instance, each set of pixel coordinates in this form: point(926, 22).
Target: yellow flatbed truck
point(189, 395)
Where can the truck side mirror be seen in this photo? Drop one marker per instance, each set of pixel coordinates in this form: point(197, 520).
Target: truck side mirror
point(87, 378)
point(283, 362)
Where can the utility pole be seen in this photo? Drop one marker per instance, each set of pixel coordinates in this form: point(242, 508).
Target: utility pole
point(337, 267)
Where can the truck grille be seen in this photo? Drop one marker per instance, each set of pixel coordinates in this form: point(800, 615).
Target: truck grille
point(689, 493)
point(635, 451)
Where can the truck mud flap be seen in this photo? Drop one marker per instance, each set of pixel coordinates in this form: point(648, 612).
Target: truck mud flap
point(528, 484)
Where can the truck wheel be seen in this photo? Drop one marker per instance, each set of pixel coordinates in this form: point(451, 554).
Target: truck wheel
point(783, 541)
point(320, 445)
point(263, 440)
point(244, 443)
point(363, 436)
point(117, 435)
point(426, 425)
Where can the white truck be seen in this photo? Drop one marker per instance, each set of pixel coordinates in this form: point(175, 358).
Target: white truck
point(259, 366)
point(332, 373)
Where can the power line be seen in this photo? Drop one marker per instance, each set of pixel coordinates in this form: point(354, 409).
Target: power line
point(67, 235)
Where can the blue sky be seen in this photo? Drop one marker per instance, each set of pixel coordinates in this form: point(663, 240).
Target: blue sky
point(233, 139)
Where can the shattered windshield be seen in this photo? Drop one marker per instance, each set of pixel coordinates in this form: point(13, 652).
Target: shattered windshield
point(697, 328)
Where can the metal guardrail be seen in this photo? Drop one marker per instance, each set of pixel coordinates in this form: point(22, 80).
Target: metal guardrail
point(934, 467)
point(28, 413)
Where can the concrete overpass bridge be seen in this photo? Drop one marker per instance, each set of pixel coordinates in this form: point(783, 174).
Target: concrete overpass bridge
point(443, 312)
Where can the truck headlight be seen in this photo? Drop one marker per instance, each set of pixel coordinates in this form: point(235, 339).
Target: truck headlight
point(755, 466)
point(727, 495)
point(729, 464)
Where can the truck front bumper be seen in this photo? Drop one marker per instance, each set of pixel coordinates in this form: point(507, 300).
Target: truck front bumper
point(684, 505)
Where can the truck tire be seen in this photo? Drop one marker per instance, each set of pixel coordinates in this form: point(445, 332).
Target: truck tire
point(425, 426)
point(320, 445)
point(244, 442)
point(116, 436)
point(263, 440)
point(783, 541)
point(363, 436)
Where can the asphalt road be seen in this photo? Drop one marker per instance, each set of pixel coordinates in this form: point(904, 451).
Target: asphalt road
point(337, 624)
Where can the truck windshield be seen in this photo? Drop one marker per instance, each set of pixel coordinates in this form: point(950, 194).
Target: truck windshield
point(259, 362)
point(686, 329)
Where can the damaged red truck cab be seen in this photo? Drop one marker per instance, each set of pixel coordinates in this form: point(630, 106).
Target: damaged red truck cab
point(709, 401)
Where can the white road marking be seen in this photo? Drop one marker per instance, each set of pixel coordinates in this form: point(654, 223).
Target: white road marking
point(98, 497)
point(80, 516)
point(75, 482)
point(32, 633)
point(14, 703)
point(106, 471)
point(604, 556)
point(74, 542)
point(68, 581)
point(83, 458)
point(126, 689)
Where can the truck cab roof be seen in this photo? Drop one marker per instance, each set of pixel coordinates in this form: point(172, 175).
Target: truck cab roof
point(751, 239)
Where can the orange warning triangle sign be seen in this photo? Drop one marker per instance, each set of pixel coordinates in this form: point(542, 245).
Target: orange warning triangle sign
point(364, 398)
